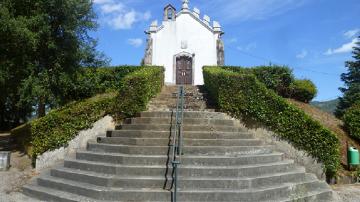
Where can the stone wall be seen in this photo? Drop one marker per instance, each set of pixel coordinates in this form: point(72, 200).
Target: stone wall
point(51, 158)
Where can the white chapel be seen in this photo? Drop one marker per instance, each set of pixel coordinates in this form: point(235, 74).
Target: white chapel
point(183, 44)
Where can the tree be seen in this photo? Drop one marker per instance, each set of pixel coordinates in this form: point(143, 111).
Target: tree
point(42, 44)
point(17, 43)
point(351, 91)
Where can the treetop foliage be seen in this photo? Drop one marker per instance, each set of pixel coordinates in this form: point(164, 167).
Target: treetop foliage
point(43, 43)
point(351, 91)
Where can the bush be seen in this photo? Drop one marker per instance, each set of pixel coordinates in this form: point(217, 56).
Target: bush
point(60, 126)
point(281, 80)
point(88, 82)
point(303, 90)
point(352, 121)
point(137, 89)
point(277, 78)
point(244, 97)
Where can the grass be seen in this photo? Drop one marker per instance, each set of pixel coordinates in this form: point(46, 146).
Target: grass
point(332, 123)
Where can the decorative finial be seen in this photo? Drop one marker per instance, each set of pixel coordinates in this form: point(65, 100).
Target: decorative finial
point(185, 4)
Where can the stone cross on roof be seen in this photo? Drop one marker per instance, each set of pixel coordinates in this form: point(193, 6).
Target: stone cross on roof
point(185, 4)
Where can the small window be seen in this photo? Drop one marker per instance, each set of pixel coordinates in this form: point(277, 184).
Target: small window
point(170, 14)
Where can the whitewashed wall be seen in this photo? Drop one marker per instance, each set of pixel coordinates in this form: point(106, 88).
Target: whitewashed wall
point(201, 42)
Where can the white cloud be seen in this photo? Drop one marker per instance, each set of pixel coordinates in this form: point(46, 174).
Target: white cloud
point(345, 48)
point(243, 10)
point(351, 33)
point(232, 40)
point(102, 1)
point(111, 8)
point(248, 47)
point(119, 16)
point(146, 16)
point(123, 21)
point(302, 54)
point(135, 42)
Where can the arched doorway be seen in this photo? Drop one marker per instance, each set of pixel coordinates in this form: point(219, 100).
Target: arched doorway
point(184, 71)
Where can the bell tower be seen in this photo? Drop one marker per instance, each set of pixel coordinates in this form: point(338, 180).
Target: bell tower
point(169, 13)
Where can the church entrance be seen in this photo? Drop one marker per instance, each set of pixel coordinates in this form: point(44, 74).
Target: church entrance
point(184, 70)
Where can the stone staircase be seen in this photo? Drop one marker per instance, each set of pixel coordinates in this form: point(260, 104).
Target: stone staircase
point(221, 162)
point(166, 100)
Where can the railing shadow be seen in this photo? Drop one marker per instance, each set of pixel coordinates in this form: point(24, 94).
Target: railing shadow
point(168, 160)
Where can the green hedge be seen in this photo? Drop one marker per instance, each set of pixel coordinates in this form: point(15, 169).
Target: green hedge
point(277, 78)
point(352, 121)
point(137, 89)
point(60, 126)
point(244, 97)
point(88, 82)
point(303, 90)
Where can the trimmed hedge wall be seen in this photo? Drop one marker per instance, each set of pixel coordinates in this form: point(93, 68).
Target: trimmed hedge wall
point(244, 97)
point(352, 121)
point(88, 82)
point(137, 89)
point(277, 78)
point(281, 80)
point(303, 90)
point(60, 126)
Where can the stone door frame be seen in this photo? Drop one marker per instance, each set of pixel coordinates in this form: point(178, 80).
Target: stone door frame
point(192, 56)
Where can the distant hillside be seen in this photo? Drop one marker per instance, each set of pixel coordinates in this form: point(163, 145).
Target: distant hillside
point(327, 106)
point(330, 122)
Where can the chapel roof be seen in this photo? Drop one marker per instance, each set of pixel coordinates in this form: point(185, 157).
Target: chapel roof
point(169, 5)
point(206, 21)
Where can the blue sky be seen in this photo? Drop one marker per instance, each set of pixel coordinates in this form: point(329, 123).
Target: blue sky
point(313, 37)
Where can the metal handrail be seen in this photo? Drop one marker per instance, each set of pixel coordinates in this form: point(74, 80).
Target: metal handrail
point(177, 140)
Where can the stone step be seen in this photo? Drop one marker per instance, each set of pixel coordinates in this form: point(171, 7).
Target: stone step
point(188, 150)
point(166, 108)
point(186, 141)
point(168, 127)
point(192, 114)
point(319, 195)
point(46, 194)
point(185, 171)
point(183, 183)
point(173, 102)
point(104, 193)
point(186, 134)
point(175, 89)
point(173, 97)
point(174, 92)
point(121, 194)
point(186, 121)
point(117, 158)
point(186, 108)
point(272, 193)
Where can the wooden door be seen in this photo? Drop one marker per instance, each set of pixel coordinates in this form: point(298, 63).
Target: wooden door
point(184, 70)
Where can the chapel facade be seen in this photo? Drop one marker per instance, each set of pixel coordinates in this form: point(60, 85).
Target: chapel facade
point(183, 44)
